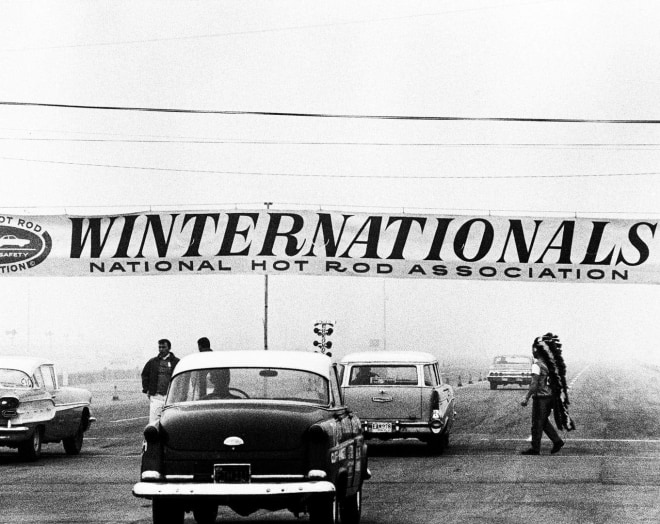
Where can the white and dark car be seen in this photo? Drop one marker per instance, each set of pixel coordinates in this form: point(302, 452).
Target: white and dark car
point(399, 394)
point(507, 370)
point(13, 240)
point(35, 409)
point(254, 430)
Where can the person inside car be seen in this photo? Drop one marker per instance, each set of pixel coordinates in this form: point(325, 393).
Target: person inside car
point(219, 380)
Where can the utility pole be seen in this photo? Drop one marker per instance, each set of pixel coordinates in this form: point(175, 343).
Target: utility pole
point(267, 204)
point(384, 315)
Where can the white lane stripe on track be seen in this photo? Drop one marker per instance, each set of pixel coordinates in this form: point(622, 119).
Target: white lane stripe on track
point(645, 441)
point(128, 419)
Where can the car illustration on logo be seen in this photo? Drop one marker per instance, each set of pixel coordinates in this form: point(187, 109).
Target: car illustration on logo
point(23, 247)
point(13, 241)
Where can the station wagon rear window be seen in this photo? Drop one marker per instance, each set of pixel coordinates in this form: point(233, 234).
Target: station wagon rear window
point(13, 378)
point(368, 375)
point(249, 383)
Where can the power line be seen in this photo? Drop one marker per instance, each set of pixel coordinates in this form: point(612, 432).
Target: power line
point(139, 208)
point(335, 115)
point(183, 140)
point(321, 176)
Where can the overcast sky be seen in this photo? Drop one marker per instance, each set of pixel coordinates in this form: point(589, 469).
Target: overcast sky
point(577, 60)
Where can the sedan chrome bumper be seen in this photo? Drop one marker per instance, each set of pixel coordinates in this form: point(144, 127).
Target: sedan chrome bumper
point(206, 489)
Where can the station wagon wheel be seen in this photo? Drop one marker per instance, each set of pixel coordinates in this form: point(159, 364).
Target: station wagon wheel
point(73, 445)
point(31, 448)
point(350, 509)
point(205, 513)
point(167, 512)
point(324, 509)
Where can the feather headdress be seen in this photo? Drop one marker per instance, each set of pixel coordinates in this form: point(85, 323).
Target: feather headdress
point(548, 348)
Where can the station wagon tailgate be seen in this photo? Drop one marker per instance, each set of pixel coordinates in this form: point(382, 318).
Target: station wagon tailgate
point(382, 402)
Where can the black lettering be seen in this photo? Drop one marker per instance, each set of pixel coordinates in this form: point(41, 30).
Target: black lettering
point(125, 237)
point(373, 224)
point(594, 244)
point(417, 269)
point(93, 233)
point(438, 239)
point(162, 244)
point(523, 250)
point(638, 244)
point(273, 232)
point(335, 266)
point(232, 231)
point(463, 271)
point(403, 233)
point(486, 240)
point(324, 225)
point(440, 270)
point(567, 229)
point(199, 222)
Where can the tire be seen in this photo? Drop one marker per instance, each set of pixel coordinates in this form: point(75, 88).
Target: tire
point(324, 509)
point(438, 443)
point(167, 512)
point(31, 448)
point(205, 513)
point(493, 385)
point(73, 445)
point(350, 509)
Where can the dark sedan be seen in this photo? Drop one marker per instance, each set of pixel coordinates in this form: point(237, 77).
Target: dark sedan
point(254, 430)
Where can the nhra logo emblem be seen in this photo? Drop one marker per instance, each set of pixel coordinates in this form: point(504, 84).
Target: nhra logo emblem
point(23, 244)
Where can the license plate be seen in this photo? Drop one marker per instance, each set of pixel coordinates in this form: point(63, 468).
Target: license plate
point(231, 473)
point(381, 427)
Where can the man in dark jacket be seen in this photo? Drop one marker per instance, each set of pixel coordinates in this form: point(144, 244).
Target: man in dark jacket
point(156, 377)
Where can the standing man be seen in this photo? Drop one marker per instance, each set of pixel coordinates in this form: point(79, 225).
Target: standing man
point(203, 344)
point(549, 392)
point(156, 377)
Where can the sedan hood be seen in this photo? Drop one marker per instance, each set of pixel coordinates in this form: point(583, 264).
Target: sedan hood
point(261, 427)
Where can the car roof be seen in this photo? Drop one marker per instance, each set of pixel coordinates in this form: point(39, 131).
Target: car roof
point(300, 360)
point(25, 364)
point(398, 357)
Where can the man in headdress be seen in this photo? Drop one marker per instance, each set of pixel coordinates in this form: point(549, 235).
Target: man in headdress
point(548, 385)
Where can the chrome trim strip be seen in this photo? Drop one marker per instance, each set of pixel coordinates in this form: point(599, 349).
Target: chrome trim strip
point(275, 477)
point(163, 489)
point(14, 429)
point(179, 477)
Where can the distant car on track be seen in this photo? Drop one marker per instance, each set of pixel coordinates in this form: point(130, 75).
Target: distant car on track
point(254, 430)
point(12, 240)
point(510, 369)
point(399, 394)
point(35, 409)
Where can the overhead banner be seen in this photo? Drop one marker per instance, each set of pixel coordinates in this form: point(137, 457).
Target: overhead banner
point(332, 243)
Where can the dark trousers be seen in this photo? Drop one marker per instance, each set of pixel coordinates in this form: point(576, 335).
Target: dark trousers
point(541, 409)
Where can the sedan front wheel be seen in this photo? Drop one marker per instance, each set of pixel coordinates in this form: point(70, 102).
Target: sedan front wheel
point(167, 512)
point(350, 509)
point(31, 448)
point(73, 445)
point(324, 509)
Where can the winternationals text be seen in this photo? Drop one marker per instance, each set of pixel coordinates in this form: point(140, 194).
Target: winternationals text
point(384, 245)
point(332, 243)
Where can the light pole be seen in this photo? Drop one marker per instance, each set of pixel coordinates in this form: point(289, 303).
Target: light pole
point(267, 204)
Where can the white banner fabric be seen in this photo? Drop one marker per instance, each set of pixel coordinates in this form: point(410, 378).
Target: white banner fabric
point(332, 243)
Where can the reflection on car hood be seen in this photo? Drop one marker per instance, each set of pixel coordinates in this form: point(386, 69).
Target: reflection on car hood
point(261, 426)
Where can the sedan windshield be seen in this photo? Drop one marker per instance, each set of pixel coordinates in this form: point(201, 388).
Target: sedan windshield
point(12, 378)
point(248, 383)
